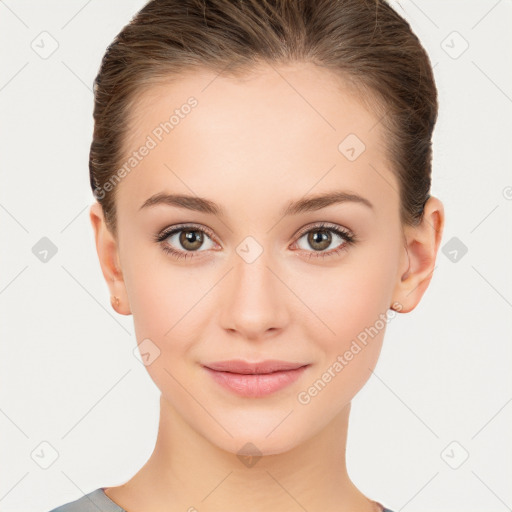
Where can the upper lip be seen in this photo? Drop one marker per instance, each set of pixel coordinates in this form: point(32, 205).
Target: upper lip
point(240, 366)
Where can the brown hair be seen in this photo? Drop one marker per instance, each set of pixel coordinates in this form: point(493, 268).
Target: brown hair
point(365, 42)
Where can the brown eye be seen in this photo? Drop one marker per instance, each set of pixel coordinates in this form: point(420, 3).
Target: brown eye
point(319, 239)
point(182, 241)
point(191, 239)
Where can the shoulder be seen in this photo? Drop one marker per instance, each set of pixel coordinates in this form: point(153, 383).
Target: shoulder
point(91, 502)
point(384, 509)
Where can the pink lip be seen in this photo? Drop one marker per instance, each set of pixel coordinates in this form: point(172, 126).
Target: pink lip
point(255, 379)
point(240, 366)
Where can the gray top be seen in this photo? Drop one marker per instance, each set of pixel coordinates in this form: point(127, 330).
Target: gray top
point(95, 501)
point(98, 501)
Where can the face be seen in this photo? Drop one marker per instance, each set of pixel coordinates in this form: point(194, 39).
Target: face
point(271, 275)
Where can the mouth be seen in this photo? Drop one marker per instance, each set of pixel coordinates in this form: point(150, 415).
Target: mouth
point(259, 367)
point(256, 379)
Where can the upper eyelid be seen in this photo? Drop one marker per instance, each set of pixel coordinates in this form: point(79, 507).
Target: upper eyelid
point(324, 225)
point(210, 232)
point(183, 227)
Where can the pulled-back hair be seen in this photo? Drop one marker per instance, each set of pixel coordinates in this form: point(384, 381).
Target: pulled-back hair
point(365, 42)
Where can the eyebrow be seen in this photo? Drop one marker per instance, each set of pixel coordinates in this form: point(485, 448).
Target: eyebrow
point(306, 204)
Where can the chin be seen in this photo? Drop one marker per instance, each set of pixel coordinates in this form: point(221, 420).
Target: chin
point(246, 447)
point(270, 436)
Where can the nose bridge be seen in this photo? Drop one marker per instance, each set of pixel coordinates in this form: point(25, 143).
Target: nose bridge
point(254, 302)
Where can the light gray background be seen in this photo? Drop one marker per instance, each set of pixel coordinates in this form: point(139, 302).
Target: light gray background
point(69, 376)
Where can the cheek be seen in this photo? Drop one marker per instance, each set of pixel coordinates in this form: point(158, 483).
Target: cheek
point(164, 297)
point(171, 307)
point(167, 308)
point(355, 310)
point(351, 298)
point(353, 304)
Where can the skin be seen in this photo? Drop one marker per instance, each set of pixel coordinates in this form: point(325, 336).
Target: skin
point(252, 145)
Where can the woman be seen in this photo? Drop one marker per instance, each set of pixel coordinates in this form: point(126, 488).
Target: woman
point(262, 173)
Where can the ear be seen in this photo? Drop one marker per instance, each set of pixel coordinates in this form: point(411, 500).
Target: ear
point(108, 254)
point(421, 244)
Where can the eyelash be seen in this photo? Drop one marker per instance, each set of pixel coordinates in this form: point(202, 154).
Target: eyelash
point(346, 235)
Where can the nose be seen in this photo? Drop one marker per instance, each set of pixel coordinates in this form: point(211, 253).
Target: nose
point(254, 299)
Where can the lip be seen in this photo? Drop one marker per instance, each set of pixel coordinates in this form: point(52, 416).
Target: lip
point(258, 367)
point(256, 379)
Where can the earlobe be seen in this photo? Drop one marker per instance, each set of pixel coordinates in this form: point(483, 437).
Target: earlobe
point(108, 255)
point(421, 247)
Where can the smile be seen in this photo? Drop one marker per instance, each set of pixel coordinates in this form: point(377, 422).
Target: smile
point(255, 379)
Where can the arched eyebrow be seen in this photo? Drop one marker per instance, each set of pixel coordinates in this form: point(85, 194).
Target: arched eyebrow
point(319, 201)
point(305, 204)
point(195, 203)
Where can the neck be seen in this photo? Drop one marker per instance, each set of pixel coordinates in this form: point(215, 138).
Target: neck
point(187, 472)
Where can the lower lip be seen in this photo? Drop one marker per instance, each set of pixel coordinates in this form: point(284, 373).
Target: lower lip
point(256, 385)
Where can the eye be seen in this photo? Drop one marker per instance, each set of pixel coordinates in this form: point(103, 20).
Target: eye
point(322, 236)
point(180, 241)
point(183, 240)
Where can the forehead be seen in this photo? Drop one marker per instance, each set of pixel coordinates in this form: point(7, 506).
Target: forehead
point(278, 130)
